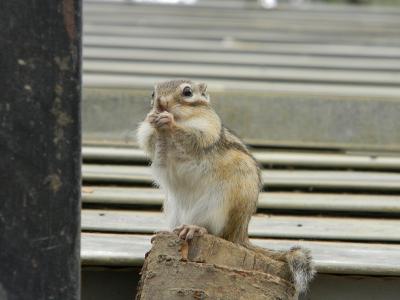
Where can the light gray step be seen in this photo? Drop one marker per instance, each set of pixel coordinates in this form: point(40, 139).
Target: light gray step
point(104, 249)
point(293, 158)
point(305, 117)
point(249, 23)
point(271, 36)
point(261, 225)
point(306, 10)
point(237, 46)
point(256, 73)
point(281, 29)
point(368, 181)
point(267, 200)
point(299, 13)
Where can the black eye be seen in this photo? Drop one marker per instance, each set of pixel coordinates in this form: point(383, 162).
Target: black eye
point(187, 92)
point(152, 94)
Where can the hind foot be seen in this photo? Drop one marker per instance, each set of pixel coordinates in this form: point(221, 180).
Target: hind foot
point(187, 232)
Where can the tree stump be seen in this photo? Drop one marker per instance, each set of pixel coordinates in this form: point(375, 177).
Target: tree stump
point(211, 268)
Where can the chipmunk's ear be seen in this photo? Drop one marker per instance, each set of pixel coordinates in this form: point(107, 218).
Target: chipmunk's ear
point(203, 91)
point(203, 87)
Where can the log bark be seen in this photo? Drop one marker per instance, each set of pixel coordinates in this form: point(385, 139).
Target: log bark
point(211, 268)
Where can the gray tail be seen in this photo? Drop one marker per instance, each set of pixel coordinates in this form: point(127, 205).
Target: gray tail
point(302, 267)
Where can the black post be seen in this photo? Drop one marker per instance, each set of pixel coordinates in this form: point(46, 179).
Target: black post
point(40, 141)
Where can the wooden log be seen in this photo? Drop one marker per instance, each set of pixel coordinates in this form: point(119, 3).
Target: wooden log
point(211, 268)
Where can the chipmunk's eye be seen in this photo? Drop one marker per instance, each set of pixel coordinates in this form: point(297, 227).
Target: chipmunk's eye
point(152, 95)
point(187, 92)
point(204, 95)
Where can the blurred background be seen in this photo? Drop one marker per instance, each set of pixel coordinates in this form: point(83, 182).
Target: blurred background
point(312, 86)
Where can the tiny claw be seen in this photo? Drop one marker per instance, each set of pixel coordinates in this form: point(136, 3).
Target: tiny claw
point(187, 232)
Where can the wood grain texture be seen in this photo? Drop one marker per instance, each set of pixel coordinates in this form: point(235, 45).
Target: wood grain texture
point(201, 270)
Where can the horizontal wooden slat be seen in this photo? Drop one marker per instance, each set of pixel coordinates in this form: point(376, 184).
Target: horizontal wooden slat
point(264, 157)
point(243, 36)
point(272, 178)
point(235, 46)
point(288, 18)
point(101, 249)
point(114, 154)
point(295, 227)
point(117, 81)
point(257, 73)
point(270, 200)
point(207, 22)
point(305, 10)
point(217, 58)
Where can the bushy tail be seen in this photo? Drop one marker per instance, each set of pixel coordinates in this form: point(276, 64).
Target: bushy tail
point(299, 261)
point(302, 267)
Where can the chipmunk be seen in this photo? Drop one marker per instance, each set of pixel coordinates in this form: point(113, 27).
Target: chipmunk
point(210, 178)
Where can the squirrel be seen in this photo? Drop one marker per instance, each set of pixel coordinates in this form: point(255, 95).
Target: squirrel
point(211, 180)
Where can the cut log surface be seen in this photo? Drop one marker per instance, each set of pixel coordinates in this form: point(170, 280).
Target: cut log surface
point(201, 269)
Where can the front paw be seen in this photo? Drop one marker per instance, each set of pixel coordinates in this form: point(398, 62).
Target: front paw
point(164, 120)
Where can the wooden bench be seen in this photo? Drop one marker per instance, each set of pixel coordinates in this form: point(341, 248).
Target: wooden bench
point(350, 230)
point(314, 88)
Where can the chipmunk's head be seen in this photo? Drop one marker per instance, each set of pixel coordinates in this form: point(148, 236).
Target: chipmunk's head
point(180, 97)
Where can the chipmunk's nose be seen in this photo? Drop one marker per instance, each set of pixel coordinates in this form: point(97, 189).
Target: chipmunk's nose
point(162, 104)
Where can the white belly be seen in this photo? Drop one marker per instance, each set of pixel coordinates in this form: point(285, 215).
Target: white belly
point(193, 196)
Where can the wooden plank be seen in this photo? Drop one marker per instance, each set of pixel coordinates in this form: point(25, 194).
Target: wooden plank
point(104, 249)
point(272, 226)
point(258, 73)
point(249, 23)
point(265, 157)
point(267, 200)
point(290, 16)
point(237, 46)
point(256, 24)
point(234, 59)
point(305, 10)
point(111, 173)
point(114, 154)
point(117, 81)
point(244, 35)
point(377, 181)
point(271, 24)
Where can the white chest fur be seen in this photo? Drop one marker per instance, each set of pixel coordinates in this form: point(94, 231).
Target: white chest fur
point(193, 196)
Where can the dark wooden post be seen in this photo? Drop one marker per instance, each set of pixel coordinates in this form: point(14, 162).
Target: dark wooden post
point(40, 141)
